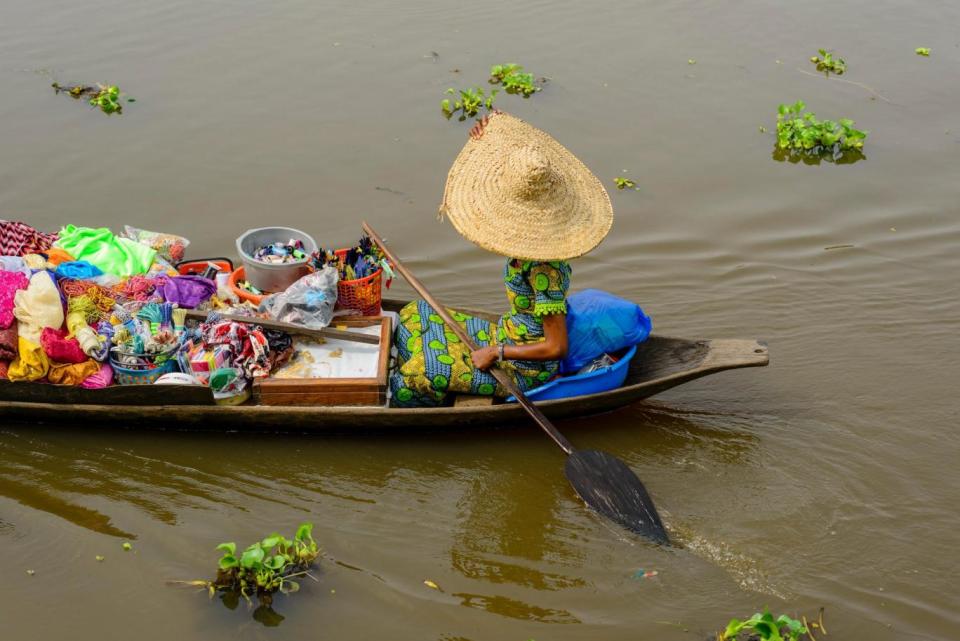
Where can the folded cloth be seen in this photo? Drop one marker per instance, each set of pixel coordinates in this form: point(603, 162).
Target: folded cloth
point(18, 239)
point(72, 374)
point(57, 256)
point(38, 306)
point(15, 264)
point(103, 378)
point(10, 284)
point(31, 363)
point(113, 255)
point(186, 291)
point(59, 348)
point(9, 343)
point(89, 341)
point(78, 270)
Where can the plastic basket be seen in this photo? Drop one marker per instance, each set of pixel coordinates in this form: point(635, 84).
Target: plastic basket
point(126, 376)
point(145, 372)
point(238, 275)
point(361, 294)
point(268, 277)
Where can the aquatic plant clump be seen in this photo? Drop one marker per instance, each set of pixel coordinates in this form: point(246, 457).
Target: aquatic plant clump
point(800, 131)
point(513, 79)
point(827, 63)
point(763, 627)
point(104, 97)
point(469, 104)
point(267, 566)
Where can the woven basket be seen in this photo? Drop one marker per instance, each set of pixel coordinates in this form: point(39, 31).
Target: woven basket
point(361, 294)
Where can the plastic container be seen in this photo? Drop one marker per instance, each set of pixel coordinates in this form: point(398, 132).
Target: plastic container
point(268, 277)
point(198, 266)
point(361, 294)
point(126, 376)
point(601, 380)
point(238, 275)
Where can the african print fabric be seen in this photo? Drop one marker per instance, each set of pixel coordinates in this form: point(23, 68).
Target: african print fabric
point(432, 361)
point(20, 239)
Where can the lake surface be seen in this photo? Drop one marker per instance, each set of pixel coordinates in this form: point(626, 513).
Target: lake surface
point(830, 478)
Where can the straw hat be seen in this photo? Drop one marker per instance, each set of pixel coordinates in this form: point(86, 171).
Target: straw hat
point(518, 192)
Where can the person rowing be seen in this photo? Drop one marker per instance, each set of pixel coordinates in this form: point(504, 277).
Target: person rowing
point(515, 191)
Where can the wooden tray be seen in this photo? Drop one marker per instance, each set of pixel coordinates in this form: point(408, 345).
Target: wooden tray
point(333, 391)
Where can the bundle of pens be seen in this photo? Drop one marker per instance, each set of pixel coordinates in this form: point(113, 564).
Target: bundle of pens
point(354, 263)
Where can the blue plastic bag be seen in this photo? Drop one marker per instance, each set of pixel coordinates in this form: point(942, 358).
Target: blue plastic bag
point(600, 323)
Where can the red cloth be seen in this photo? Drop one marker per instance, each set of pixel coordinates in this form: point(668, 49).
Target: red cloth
point(3, 369)
point(59, 348)
point(9, 342)
point(20, 239)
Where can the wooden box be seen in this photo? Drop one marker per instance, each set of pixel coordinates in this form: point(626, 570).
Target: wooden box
point(333, 391)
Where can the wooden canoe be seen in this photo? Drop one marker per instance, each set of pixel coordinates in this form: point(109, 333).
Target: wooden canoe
point(660, 363)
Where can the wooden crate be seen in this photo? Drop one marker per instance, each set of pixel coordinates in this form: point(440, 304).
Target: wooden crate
point(333, 391)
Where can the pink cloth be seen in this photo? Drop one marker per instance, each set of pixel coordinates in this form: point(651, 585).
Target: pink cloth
point(103, 378)
point(59, 348)
point(10, 282)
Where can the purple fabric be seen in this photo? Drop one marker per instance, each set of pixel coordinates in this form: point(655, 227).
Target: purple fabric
point(186, 291)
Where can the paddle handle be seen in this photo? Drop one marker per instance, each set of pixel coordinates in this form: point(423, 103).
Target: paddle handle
point(502, 377)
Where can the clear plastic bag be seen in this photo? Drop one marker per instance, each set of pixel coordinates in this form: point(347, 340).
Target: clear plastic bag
point(169, 246)
point(308, 302)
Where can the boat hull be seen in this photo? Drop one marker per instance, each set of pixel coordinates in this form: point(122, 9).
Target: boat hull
point(661, 363)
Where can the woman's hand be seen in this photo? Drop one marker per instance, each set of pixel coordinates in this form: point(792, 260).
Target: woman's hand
point(484, 358)
point(476, 132)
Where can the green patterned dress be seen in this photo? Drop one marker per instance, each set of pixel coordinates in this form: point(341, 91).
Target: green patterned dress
point(432, 362)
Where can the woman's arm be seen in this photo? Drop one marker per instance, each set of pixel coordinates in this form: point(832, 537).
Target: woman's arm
point(553, 347)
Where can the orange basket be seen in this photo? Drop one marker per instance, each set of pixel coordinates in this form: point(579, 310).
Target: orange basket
point(237, 276)
point(361, 294)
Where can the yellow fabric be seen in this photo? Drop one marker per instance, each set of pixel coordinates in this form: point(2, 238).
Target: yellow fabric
point(35, 261)
point(38, 306)
point(32, 363)
point(72, 374)
point(78, 328)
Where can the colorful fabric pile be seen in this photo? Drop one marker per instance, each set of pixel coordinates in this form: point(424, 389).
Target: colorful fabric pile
point(76, 305)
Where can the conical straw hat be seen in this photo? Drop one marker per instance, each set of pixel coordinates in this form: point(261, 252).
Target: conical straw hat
point(518, 192)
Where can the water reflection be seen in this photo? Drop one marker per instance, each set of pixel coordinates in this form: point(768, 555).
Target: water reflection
point(847, 157)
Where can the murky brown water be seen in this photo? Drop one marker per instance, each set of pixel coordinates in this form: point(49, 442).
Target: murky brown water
point(829, 478)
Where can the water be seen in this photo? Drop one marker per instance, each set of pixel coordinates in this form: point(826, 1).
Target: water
point(828, 479)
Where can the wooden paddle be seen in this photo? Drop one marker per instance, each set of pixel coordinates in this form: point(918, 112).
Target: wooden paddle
point(603, 481)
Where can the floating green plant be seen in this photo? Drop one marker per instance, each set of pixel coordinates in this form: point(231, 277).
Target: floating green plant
point(827, 63)
point(105, 97)
point(624, 183)
point(800, 132)
point(469, 103)
point(922, 51)
point(265, 567)
point(764, 627)
point(513, 79)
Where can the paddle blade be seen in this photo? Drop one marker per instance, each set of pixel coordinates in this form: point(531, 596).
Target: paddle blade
point(607, 485)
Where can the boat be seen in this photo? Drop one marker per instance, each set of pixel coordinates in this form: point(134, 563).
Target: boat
point(660, 363)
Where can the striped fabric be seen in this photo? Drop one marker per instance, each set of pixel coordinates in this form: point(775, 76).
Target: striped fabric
point(20, 239)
